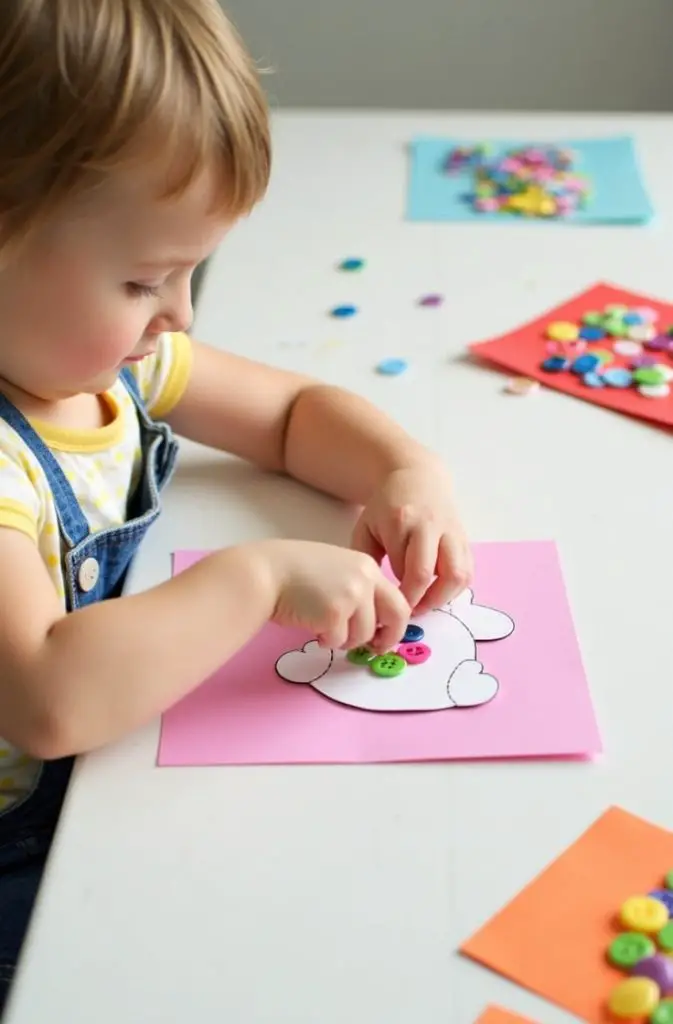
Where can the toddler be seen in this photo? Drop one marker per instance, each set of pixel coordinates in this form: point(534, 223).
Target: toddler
point(133, 135)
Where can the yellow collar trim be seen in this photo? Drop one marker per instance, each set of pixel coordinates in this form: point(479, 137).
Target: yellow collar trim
point(69, 439)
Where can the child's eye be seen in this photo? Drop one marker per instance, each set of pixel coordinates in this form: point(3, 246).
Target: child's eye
point(142, 290)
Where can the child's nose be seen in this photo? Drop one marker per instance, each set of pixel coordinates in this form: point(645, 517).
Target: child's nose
point(177, 310)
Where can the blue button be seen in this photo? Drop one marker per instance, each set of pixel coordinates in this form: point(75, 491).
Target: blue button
point(555, 364)
point(413, 635)
point(589, 333)
point(593, 380)
point(664, 896)
point(392, 367)
point(617, 377)
point(585, 364)
point(632, 318)
point(352, 264)
point(344, 311)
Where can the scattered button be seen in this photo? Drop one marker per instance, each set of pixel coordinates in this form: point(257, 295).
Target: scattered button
point(341, 312)
point(643, 914)
point(352, 263)
point(641, 332)
point(413, 634)
point(87, 577)
point(416, 654)
point(632, 318)
point(616, 310)
point(585, 364)
point(668, 880)
point(627, 348)
point(657, 968)
point(663, 1013)
point(562, 330)
point(360, 655)
point(392, 367)
point(593, 380)
point(665, 937)
point(618, 377)
point(431, 300)
point(641, 361)
point(387, 665)
point(593, 319)
point(634, 997)
point(649, 375)
point(591, 333)
point(603, 354)
point(654, 390)
point(664, 896)
point(647, 314)
point(630, 947)
point(659, 343)
point(555, 364)
point(521, 386)
point(615, 327)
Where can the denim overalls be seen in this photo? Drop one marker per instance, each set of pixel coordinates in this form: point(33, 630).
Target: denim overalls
point(95, 566)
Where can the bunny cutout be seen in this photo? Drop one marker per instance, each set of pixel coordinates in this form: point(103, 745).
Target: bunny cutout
point(452, 677)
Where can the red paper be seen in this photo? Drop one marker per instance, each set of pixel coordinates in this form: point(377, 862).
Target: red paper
point(522, 351)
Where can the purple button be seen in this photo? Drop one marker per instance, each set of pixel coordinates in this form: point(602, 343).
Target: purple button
point(642, 361)
point(658, 344)
point(657, 968)
point(664, 896)
point(432, 300)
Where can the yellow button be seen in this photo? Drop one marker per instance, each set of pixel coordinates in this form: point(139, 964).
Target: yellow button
point(563, 330)
point(643, 914)
point(634, 997)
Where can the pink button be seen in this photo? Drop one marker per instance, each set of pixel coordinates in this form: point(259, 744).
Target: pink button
point(414, 654)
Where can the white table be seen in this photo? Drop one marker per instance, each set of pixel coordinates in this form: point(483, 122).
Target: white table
point(331, 894)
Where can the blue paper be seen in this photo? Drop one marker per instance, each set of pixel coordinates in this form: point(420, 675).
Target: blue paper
point(618, 194)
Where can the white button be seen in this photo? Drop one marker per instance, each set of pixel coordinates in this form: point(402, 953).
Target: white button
point(89, 571)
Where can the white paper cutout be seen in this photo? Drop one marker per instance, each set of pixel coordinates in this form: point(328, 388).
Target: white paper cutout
point(305, 665)
point(452, 677)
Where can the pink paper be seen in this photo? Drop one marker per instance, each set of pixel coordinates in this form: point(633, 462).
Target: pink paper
point(245, 714)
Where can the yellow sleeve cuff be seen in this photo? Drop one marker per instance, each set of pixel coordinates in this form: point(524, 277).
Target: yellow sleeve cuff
point(15, 516)
point(178, 376)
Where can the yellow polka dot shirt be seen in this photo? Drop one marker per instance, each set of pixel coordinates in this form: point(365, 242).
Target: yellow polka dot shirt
point(102, 467)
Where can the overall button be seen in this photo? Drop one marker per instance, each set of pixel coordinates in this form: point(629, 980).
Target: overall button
point(360, 655)
point(87, 577)
point(415, 654)
point(413, 634)
point(644, 914)
point(630, 947)
point(635, 997)
point(663, 1013)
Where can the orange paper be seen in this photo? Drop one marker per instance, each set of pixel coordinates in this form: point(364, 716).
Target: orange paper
point(523, 350)
point(496, 1015)
point(552, 938)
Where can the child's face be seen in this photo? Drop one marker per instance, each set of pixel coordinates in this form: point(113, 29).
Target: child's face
point(100, 283)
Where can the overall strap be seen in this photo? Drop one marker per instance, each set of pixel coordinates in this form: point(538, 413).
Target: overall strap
point(72, 521)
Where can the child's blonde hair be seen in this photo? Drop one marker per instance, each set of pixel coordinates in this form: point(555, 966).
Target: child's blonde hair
point(87, 85)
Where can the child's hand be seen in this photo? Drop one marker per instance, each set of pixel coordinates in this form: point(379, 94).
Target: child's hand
point(413, 520)
point(340, 595)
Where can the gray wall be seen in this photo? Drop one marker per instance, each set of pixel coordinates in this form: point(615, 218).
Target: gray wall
point(464, 54)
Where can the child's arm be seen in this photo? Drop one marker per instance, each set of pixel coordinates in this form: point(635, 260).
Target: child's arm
point(324, 436)
point(69, 683)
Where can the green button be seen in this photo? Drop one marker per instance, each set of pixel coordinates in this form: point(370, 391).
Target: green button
point(387, 665)
point(665, 936)
point(663, 1013)
point(593, 319)
point(615, 326)
point(630, 948)
point(649, 375)
point(617, 311)
point(668, 880)
point(360, 655)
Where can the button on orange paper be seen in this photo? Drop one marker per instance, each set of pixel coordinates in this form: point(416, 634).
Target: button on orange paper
point(523, 350)
point(496, 1015)
point(575, 899)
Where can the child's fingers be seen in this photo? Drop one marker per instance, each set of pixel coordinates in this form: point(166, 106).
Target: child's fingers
point(362, 626)
point(392, 615)
point(454, 572)
point(420, 560)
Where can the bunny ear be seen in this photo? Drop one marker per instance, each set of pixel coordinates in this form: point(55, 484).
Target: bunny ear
point(305, 665)
point(484, 623)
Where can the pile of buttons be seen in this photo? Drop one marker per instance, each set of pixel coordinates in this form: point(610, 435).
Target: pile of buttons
point(410, 651)
point(534, 181)
point(645, 951)
point(616, 348)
